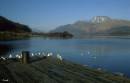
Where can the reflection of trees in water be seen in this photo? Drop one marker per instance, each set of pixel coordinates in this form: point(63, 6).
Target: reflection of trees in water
point(13, 47)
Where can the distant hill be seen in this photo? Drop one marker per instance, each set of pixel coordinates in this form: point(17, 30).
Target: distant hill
point(98, 25)
point(119, 30)
point(8, 25)
point(10, 30)
point(57, 35)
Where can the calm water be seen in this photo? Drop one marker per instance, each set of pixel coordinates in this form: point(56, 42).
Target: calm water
point(109, 54)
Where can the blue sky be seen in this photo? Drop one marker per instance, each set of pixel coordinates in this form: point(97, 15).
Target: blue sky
point(48, 14)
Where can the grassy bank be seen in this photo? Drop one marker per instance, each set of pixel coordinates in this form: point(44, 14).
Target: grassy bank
point(13, 35)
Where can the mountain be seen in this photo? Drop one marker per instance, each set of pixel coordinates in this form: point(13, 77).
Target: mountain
point(100, 19)
point(98, 25)
point(8, 25)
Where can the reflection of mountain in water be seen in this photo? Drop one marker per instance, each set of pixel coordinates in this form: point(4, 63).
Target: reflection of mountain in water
point(13, 47)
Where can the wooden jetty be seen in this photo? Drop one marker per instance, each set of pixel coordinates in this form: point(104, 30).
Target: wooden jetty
point(53, 70)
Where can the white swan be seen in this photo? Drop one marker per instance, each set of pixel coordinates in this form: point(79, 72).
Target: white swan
point(50, 54)
point(59, 57)
point(3, 58)
point(18, 56)
point(39, 53)
point(32, 54)
point(10, 56)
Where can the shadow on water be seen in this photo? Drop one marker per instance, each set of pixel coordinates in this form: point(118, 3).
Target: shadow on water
point(12, 47)
point(4, 49)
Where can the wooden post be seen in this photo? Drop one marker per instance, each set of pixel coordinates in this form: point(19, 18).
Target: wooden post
point(25, 57)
